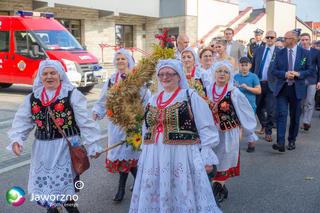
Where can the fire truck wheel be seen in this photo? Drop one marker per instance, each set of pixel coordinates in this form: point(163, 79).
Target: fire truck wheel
point(4, 85)
point(86, 89)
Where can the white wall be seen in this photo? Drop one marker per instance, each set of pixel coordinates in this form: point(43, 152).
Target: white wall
point(133, 7)
point(214, 13)
point(281, 16)
point(303, 28)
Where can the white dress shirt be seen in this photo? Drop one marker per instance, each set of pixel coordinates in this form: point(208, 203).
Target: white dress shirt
point(267, 63)
point(229, 46)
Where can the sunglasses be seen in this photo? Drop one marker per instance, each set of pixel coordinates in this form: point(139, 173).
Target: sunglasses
point(170, 75)
point(270, 37)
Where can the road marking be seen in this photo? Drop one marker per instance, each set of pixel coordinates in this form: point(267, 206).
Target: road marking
point(27, 162)
point(15, 166)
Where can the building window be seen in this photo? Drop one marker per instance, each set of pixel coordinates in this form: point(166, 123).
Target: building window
point(74, 27)
point(4, 41)
point(4, 13)
point(124, 35)
point(172, 31)
point(24, 43)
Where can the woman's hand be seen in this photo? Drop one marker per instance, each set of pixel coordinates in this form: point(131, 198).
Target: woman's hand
point(95, 156)
point(94, 116)
point(16, 148)
point(211, 170)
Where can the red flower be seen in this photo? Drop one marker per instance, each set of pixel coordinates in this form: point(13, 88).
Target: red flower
point(225, 106)
point(35, 109)
point(39, 123)
point(60, 121)
point(59, 107)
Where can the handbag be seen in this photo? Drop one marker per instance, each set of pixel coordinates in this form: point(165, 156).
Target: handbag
point(79, 159)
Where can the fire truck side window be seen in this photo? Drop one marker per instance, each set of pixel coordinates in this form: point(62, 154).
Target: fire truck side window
point(4, 41)
point(23, 43)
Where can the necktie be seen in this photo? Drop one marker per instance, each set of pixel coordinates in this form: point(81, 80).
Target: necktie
point(290, 66)
point(264, 58)
point(290, 60)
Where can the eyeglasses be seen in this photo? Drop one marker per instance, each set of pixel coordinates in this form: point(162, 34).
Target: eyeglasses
point(225, 72)
point(270, 37)
point(170, 75)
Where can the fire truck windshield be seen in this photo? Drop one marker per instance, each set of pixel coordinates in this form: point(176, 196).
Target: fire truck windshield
point(57, 40)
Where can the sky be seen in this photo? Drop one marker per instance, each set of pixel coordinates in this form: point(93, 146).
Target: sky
point(307, 10)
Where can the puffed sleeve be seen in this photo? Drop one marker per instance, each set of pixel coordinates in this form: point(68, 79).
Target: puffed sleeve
point(22, 124)
point(100, 106)
point(208, 132)
point(244, 110)
point(90, 131)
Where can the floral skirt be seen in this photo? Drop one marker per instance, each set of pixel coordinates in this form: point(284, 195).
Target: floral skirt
point(231, 172)
point(120, 166)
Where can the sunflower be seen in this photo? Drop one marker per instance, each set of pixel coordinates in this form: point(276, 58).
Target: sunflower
point(134, 139)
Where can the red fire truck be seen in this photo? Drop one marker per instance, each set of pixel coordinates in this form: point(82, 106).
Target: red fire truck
point(30, 37)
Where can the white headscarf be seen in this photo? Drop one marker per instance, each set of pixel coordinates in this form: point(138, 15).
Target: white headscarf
point(129, 57)
point(176, 65)
point(195, 55)
point(218, 65)
point(66, 85)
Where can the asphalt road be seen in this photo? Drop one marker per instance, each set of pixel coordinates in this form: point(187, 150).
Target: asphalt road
point(270, 182)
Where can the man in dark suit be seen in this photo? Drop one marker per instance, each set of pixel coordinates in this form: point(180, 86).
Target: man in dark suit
point(292, 67)
point(309, 102)
point(262, 65)
point(258, 33)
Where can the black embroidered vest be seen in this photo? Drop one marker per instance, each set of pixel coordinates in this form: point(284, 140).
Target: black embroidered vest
point(178, 124)
point(225, 115)
point(45, 128)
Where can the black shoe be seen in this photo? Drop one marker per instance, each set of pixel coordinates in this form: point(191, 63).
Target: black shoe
point(278, 147)
point(217, 188)
point(52, 210)
point(306, 127)
point(291, 146)
point(224, 192)
point(71, 207)
point(122, 187)
point(251, 149)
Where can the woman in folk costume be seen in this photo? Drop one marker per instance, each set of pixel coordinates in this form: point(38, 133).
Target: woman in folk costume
point(192, 70)
point(171, 172)
point(230, 109)
point(51, 171)
point(122, 159)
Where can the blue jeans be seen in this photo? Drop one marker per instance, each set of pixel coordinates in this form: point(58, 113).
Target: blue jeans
point(287, 98)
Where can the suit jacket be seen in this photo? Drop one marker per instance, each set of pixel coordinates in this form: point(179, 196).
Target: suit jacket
point(256, 61)
point(253, 48)
point(237, 50)
point(302, 65)
point(315, 62)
